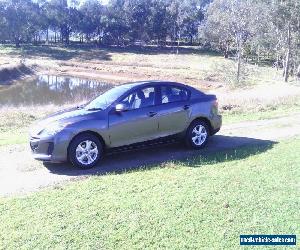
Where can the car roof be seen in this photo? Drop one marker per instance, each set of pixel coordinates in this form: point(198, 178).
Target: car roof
point(142, 83)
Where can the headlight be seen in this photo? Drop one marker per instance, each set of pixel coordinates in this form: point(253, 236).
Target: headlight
point(52, 129)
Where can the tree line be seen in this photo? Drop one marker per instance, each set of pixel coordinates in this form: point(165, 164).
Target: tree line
point(245, 29)
point(117, 23)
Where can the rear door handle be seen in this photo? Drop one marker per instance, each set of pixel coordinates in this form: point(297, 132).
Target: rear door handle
point(151, 114)
point(186, 107)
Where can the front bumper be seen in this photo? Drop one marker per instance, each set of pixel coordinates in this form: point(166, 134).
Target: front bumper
point(42, 149)
point(50, 149)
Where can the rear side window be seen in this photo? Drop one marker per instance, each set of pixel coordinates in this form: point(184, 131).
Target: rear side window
point(170, 94)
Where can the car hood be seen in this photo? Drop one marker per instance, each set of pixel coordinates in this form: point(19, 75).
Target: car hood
point(67, 116)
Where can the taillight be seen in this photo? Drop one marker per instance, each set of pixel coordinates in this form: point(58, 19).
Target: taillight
point(215, 107)
point(216, 104)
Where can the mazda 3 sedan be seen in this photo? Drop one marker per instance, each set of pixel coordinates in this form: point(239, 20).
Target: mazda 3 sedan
point(129, 114)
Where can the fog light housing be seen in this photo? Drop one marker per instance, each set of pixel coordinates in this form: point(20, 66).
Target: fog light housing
point(50, 148)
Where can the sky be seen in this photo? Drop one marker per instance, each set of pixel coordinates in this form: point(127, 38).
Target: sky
point(103, 1)
point(81, 1)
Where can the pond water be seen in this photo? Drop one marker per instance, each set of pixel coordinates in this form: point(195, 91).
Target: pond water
point(47, 89)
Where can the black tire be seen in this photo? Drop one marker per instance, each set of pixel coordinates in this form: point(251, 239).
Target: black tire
point(190, 134)
point(81, 140)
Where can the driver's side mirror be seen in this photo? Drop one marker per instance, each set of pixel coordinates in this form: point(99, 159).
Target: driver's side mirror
point(121, 108)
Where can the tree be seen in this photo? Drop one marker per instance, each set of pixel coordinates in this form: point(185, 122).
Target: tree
point(287, 22)
point(176, 15)
point(3, 24)
point(232, 23)
point(185, 16)
point(64, 17)
point(115, 23)
point(158, 21)
point(194, 16)
point(22, 19)
point(137, 13)
point(89, 21)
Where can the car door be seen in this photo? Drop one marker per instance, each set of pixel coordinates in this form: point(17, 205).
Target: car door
point(139, 122)
point(173, 115)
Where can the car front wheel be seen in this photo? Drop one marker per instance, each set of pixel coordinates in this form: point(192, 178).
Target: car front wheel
point(85, 151)
point(197, 134)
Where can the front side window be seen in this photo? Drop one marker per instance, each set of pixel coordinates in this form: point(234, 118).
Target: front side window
point(141, 98)
point(171, 94)
point(106, 99)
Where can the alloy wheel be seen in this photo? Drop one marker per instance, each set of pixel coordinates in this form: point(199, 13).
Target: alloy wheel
point(199, 135)
point(87, 152)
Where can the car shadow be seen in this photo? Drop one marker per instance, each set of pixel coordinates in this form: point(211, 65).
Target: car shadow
point(219, 149)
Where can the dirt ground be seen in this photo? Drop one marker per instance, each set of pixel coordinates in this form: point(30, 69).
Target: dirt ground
point(20, 174)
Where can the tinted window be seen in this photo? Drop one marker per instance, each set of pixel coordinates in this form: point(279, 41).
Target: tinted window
point(141, 98)
point(171, 94)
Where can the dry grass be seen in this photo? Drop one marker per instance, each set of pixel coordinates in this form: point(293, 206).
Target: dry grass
point(19, 117)
point(204, 70)
point(15, 122)
point(12, 71)
point(260, 98)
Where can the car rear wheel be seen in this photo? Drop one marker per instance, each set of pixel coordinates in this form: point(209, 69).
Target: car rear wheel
point(197, 134)
point(85, 151)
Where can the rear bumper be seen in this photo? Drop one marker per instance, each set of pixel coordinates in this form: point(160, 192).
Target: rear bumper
point(216, 124)
point(213, 132)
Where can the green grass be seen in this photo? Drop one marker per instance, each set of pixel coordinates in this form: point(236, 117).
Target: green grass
point(202, 203)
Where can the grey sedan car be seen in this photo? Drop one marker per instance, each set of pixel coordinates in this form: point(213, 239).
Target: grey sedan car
point(129, 114)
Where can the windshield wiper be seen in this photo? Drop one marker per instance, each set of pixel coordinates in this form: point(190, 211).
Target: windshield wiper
point(80, 107)
point(94, 109)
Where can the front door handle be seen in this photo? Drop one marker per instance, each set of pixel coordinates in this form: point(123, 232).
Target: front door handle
point(186, 107)
point(151, 114)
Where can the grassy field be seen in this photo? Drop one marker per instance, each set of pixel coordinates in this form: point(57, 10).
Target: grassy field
point(201, 203)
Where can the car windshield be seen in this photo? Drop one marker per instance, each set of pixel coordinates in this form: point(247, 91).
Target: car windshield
point(106, 99)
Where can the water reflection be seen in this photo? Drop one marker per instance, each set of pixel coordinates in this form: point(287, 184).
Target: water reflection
point(46, 89)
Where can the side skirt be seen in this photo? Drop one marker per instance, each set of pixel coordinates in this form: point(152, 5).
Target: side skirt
point(148, 144)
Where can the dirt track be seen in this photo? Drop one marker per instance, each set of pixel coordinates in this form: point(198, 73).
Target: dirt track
point(20, 174)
